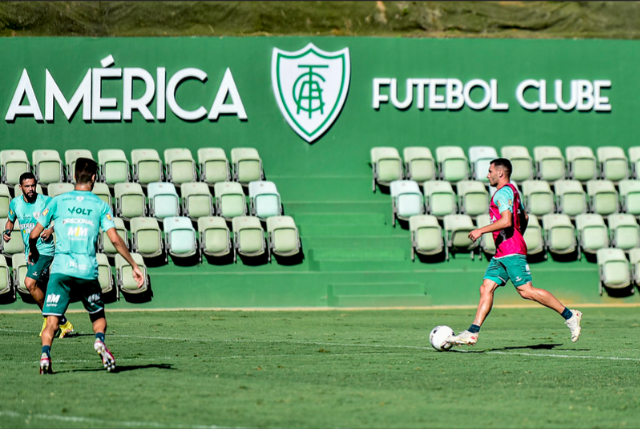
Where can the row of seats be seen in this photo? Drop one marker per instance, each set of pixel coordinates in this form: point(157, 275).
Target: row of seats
point(548, 163)
point(613, 269)
point(145, 167)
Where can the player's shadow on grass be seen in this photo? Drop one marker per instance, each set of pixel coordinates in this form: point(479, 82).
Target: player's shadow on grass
point(531, 347)
point(124, 368)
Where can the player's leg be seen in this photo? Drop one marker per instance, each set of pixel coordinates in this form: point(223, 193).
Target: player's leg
point(55, 305)
point(92, 300)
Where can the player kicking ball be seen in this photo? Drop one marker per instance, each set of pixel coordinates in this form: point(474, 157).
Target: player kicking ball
point(27, 209)
point(508, 224)
point(78, 217)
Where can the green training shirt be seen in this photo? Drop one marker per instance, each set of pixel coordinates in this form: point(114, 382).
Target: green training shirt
point(27, 215)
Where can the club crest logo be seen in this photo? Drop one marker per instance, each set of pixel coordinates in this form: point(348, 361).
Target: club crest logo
point(310, 86)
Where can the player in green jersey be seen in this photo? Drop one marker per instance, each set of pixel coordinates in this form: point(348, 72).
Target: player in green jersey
point(78, 217)
point(27, 208)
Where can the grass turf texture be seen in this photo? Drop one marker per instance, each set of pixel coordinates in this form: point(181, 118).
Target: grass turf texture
point(325, 369)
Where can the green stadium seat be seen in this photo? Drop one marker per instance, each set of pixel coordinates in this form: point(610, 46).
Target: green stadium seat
point(15, 245)
point(426, 236)
point(406, 200)
point(521, 162)
point(163, 200)
point(581, 163)
point(146, 237)
point(419, 164)
point(614, 164)
point(613, 268)
point(560, 235)
point(18, 192)
point(629, 196)
point(570, 197)
point(146, 166)
point(13, 162)
point(592, 233)
point(549, 163)
point(603, 197)
point(197, 200)
point(456, 231)
point(453, 164)
point(440, 200)
point(215, 238)
point(487, 244)
point(538, 197)
point(6, 285)
point(105, 276)
point(47, 166)
point(103, 192)
point(473, 197)
point(480, 158)
point(387, 166)
point(180, 167)
point(634, 259)
point(230, 200)
point(104, 243)
point(130, 201)
point(55, 189)
point(180, 237)
point(70, 157)
point(114, 167)
point(19, 270)
point(5, 200)
point(283, 238)
point(624, 231)
point(213, 165)
point(634, 161)
point(264, 199)
point(247, 165)
point(534, 237)
point(124, 275)
point(248, 237)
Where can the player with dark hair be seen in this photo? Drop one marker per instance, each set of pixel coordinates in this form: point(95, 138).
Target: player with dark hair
point(508, 224)
point(27, 208)
point(78, 217)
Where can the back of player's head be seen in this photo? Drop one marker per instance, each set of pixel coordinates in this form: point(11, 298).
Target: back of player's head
point(503, 163)
point(85, 169)
point(26, 176)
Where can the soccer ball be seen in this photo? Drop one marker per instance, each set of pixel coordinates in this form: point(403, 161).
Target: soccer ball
point(439, 336)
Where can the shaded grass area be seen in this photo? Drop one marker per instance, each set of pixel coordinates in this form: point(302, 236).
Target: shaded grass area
point(326, 369)
point(535, 19)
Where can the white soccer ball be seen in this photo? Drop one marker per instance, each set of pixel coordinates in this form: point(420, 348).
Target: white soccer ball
point(439, 336)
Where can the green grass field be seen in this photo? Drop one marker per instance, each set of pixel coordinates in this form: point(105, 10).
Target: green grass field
point(193, 369)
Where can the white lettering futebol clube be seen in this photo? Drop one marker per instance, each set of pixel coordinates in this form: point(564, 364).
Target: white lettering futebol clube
point(98, 108)
point(452, 94)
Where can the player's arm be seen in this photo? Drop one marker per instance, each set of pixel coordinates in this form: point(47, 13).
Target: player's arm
point(33, 241)
point(505, 221)
point(122, 249)
point(7, 230)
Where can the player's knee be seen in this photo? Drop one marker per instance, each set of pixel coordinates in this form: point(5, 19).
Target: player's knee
point(30, 284)
point(526, 293)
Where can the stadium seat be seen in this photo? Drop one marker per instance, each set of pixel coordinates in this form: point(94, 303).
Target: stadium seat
point(487, 244)
point(146, 237)
point(19, 271)
point(440, 200)
point(453, 164)
point(180, 167)
point(230, 200)
point(624, 231)
point(549, 163)
point(603, 197)
point(592, 233)
point(581, 163)
point(104, 243)
point(55, 189)
point(629, 196)
point(113, 166)
point(570, 197)
point(197, 200)
point(5, 200)
point(13, 162)
point(634, 259)
point(180, 237)
point(419, 164)
point(264, 199)
point(130, 201)
point(215, 238)
point(47, 166)
point(426, 236)
point(521, 162)
point(634, 161)
point(538, 197)
point(146, 166)
point(480, 158)
point(560, 236)
point(613, 268)
point(456, 231)
point(6, 285)
point(473, 197)
point(534, 237)
point(105, 277)
point(124, 274)
point(163, 200)
point(406, 200)
point(248, 237)
point(283, 238)
point(213, 165)
point(246, 165)
point(15, 245)
point(387, 166)
point(103, 192)
point(70, 157)
point(614, 164)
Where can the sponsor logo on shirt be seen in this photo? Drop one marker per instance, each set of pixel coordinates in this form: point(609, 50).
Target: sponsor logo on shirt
point(108, 216)
point(77, 221)
point(45, 212)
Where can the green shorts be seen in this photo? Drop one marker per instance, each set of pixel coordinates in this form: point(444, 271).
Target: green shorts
point(512, 267)
point(40, 270)
point(60, 289)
